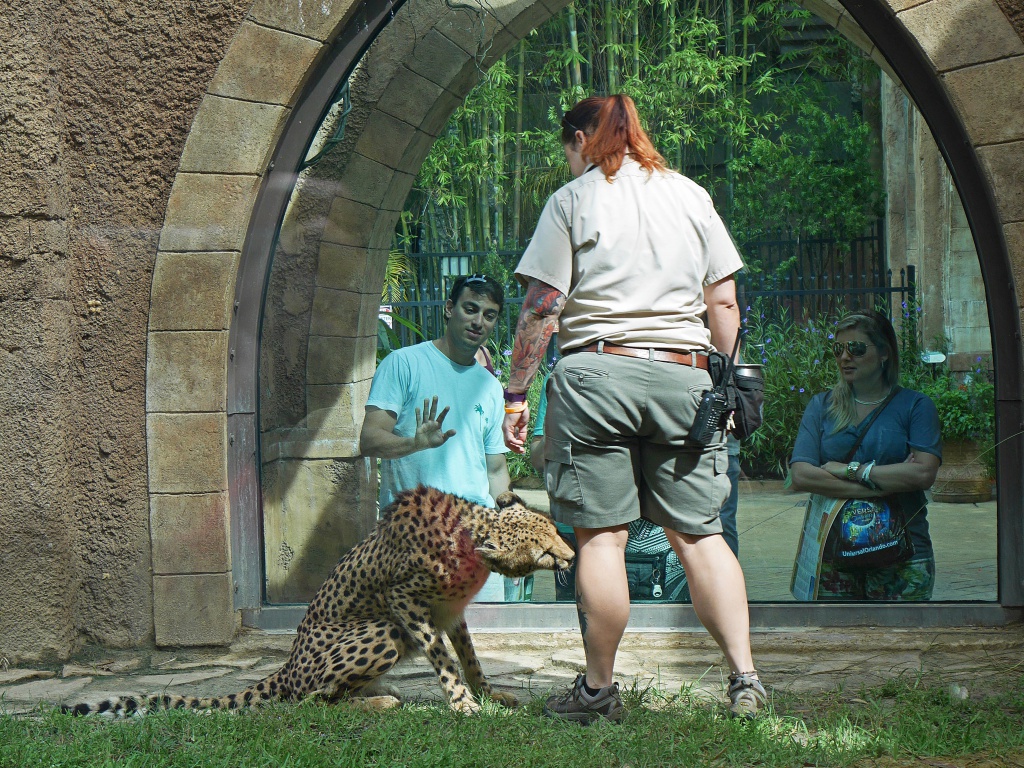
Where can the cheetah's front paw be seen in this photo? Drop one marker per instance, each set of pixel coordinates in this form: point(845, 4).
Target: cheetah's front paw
point(504, 699)
point(465, 704)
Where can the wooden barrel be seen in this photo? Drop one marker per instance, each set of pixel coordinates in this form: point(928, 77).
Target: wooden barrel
point(963, 477)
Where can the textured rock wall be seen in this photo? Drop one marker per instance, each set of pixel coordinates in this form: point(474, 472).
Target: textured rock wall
point(96, 101)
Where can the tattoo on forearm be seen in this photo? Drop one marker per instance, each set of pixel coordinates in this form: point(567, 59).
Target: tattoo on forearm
point(537, 323)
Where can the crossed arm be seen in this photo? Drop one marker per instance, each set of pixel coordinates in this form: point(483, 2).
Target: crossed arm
point(917, 473)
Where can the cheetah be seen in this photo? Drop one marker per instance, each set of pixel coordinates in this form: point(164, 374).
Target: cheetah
point(394, 594)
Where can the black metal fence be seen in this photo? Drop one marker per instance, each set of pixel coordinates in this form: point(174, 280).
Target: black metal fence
point(806, 276)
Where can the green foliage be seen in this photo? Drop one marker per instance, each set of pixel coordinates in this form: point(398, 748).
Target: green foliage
point(815, 180)
point(727, 99)
point(388, 339)
point(798, 364)
point(966, 405)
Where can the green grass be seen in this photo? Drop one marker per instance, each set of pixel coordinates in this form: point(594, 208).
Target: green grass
point(900, 723)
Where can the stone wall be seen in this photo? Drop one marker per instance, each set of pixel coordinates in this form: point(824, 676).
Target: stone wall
point(96, 101)
point(136, 137)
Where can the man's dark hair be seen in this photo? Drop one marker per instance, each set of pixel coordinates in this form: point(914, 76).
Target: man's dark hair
point(481, 284)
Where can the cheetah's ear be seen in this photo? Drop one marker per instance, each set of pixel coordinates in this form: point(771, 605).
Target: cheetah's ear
point(507, 499)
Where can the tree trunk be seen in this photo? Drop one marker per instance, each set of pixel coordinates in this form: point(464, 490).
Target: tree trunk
point(574, 42)
point(517, 171)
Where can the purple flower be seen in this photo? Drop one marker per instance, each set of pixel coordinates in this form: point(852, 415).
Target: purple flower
point(764, 359)
point(748, 308)
point(792, 387)
point(801, 389)
point(498, 372)
point(904, 305)
point(507, 352)
point(817, 361)
point(831, 336)
point(768, 340)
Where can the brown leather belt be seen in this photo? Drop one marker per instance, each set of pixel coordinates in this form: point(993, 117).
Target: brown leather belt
point(661, 355)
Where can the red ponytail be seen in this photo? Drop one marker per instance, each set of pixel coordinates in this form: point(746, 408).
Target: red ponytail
point(613, 129)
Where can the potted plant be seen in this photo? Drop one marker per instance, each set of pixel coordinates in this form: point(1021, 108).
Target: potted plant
point(966, 406)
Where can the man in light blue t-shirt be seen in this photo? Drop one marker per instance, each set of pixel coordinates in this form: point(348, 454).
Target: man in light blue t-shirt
point(434, 415)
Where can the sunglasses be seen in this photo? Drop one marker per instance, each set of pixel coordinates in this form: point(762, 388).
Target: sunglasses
point(855, 348)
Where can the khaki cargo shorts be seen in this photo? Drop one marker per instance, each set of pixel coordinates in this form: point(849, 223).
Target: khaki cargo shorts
point(615, 445)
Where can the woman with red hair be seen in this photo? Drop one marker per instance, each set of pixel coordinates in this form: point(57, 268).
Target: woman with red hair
point(625, 262)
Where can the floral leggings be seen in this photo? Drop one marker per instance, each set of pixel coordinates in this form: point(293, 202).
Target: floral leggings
point(912, 580)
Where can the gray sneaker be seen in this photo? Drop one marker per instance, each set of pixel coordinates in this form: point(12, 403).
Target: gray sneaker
point(747, 696)
point(580, 707)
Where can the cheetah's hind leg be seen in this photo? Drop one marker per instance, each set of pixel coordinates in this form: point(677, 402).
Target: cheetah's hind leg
point(352, 658)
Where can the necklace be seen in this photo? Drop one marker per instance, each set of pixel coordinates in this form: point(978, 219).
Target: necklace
point(870, 402)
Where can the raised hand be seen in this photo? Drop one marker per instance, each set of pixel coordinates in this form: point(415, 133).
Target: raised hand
point(430, 426)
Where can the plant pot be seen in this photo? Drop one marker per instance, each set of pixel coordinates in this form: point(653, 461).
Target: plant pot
point(962, 477)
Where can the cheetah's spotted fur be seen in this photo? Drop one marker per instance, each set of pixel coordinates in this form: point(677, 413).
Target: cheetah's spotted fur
point(394, 593)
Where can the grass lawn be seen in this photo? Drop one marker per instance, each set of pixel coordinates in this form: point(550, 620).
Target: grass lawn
point(902, 723)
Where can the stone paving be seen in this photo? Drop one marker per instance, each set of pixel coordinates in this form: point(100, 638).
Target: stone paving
point(970, 661)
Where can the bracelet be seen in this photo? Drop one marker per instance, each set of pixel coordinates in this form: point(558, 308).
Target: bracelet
point(851, 470)
point(865, 478)
point(515, 407)
point(514, 397)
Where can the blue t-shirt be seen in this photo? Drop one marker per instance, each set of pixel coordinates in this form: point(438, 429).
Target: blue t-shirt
point(909, 422)
point(411, 375)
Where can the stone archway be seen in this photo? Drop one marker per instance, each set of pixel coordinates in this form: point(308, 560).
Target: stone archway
point(202, 351)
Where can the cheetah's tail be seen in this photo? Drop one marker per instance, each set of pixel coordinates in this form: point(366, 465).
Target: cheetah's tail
point(263, 691)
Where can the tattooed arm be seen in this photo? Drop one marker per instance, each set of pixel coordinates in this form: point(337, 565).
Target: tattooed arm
point(538, 320)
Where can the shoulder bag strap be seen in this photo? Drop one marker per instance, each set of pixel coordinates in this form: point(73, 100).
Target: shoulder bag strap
point(871, 420)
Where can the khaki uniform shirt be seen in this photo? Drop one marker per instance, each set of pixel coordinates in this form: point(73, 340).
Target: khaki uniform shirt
point(632, 258)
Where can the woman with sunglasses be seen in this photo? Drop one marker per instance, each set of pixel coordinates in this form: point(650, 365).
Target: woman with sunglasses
point(899, 454)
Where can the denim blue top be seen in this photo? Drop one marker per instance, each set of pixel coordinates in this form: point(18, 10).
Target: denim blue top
point(908, 422)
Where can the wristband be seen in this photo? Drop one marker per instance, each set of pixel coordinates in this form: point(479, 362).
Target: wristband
point(517, 407)
point(865, 478)
point(513, 397)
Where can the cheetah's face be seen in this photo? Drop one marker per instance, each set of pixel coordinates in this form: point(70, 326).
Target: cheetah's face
point(522, 541)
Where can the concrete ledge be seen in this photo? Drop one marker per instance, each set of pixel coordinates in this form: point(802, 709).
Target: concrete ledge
point(349, 223)
point(265, 65)
point(957, 34)
point(336, 411)
point(187, 371)
point(193, 291)
point(384, 138)
point(315, 20)
point(194, 610)
point(208, 212)
point(988, 97)
point(232, 136)
point(190, 533)
point(1004, 166)
point(336, 313)
point(187, 452)
point(344, 267)
point(340, 359)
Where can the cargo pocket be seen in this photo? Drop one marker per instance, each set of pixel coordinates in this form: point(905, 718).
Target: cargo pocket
point(560, 477)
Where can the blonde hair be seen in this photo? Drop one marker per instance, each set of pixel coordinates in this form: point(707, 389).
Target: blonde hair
point(876, 326)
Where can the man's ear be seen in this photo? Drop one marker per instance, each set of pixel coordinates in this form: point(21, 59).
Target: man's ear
point(448, 307)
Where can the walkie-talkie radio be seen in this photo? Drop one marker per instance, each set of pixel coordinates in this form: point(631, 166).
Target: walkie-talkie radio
point(714, 410)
